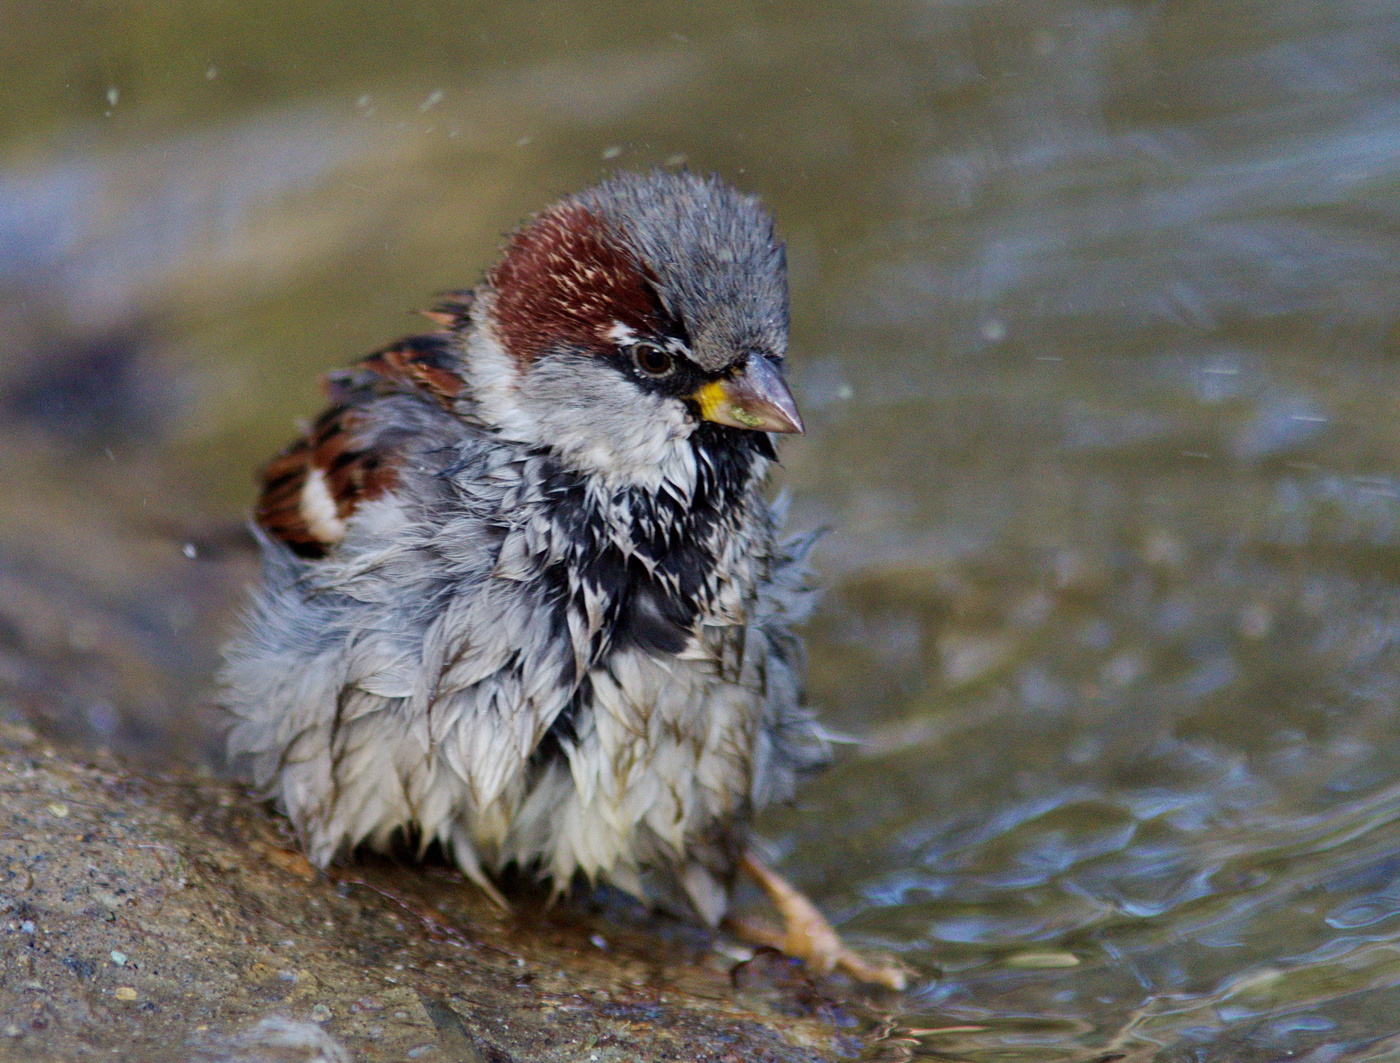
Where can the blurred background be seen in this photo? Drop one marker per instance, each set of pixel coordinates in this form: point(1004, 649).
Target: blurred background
point(1094, 327)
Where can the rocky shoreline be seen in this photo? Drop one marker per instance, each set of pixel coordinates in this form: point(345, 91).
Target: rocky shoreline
point(169, 919)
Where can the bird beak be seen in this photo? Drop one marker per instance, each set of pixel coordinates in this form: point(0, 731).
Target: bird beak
point(755, 398)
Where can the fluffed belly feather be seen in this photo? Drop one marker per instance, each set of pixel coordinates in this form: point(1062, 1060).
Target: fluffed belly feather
point(660, 765)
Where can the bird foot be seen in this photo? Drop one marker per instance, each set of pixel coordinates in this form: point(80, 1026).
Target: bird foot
point(806, 934)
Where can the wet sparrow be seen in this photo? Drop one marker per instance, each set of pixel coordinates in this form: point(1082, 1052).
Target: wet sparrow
point(523, 594)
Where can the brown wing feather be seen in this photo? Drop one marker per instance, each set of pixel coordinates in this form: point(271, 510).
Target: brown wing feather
point(453, 310)
point(313, 486)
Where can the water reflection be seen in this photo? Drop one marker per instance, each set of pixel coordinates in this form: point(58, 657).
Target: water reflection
point(1094, 311)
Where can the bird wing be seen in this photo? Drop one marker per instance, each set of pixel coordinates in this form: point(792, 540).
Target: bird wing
point(348, 455)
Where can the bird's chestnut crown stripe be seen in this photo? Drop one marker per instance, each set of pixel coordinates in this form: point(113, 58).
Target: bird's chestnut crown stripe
point(565, 279)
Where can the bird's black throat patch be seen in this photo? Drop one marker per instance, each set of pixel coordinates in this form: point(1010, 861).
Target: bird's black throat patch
point(655, 585)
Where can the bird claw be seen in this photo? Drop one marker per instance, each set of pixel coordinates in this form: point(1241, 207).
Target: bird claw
point(808, 936)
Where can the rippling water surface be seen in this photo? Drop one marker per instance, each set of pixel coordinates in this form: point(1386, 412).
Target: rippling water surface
point(1095, 317)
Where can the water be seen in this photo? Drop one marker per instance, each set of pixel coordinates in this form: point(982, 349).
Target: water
point(1094, 330)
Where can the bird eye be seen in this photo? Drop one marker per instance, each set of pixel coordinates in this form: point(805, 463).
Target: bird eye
point(652, 360)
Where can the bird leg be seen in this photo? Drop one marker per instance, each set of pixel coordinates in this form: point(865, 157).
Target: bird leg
point(806, 934)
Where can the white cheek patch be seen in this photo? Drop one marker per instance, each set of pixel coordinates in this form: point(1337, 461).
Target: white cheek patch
point(583, 410)
point(318, 509)
point(495, 383)
point(599, 421)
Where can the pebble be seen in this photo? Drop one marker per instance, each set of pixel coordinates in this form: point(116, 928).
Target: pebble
point(124, 992)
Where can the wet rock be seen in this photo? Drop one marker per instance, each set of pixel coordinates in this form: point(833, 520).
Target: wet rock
point(168, 919)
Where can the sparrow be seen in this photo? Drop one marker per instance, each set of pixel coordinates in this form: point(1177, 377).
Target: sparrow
point(524, 596)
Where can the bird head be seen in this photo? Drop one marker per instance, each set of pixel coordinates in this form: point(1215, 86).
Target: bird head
point(622, 320)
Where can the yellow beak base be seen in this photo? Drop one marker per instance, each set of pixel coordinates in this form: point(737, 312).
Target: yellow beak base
point(756, 398)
